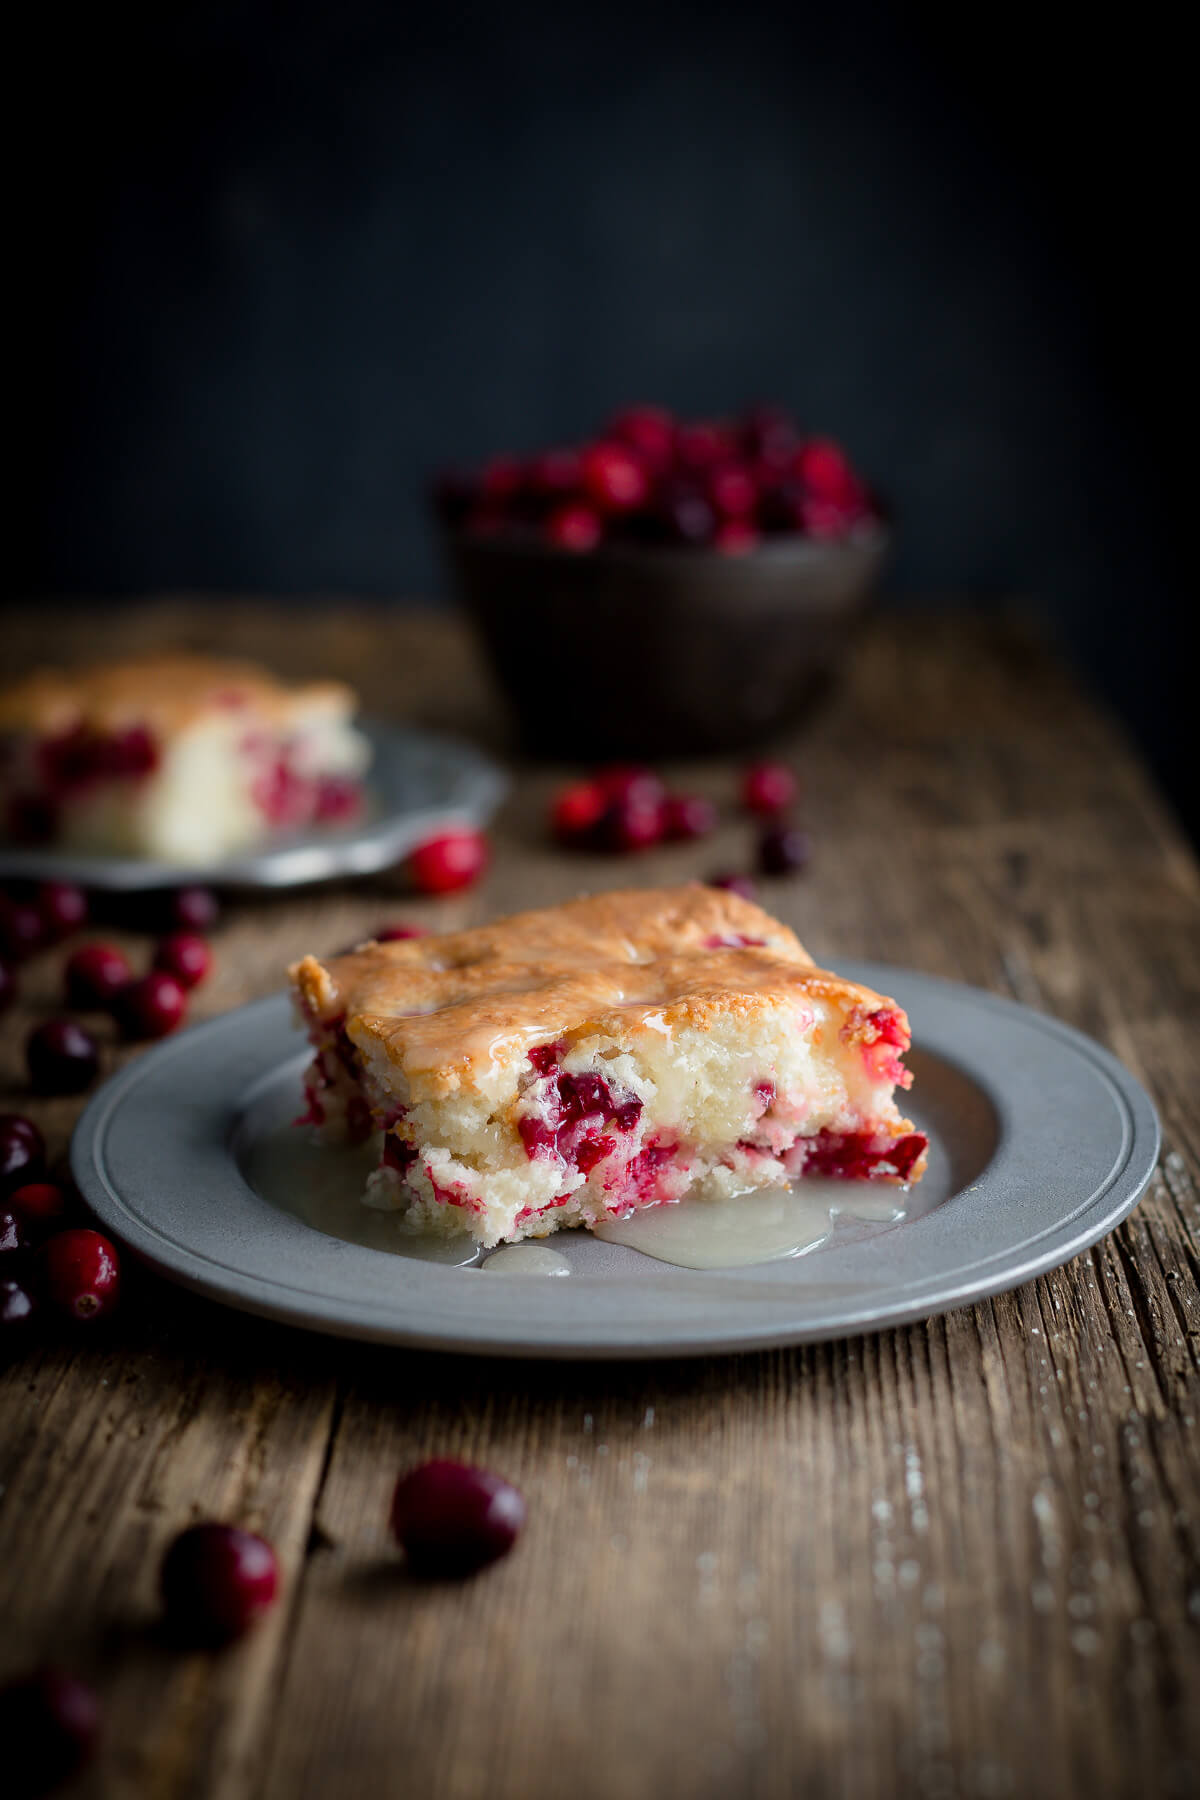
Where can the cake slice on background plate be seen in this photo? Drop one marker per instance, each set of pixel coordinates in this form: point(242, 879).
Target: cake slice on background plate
point(179, 758)
point(577, 1063)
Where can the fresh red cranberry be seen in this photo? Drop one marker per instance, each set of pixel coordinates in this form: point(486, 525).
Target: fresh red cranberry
point(398, 934)
point(784, 850)
point(614, 477)
point(338, 799)
point(49, 1729)
point(502, 480)
point(150, 1007)
point(630, 824)
point(186, 956)
point(193, 909)
point(577, 810)
point(733, 883)
point(62, 1057)
point(732, 491)
point(22, 930)
point(447, 863)
point(22, 1152)
point(452, 1519)
point(82, 1274)
point(30, 819)
point(699, 446)
point(574, 527)
point(18, 1315)
point(38, 1204)
point(64, 908)
point(93, 975)
point(13, 1234)
point(648, 430)
point(8, 986)
point(453, 493)
point(689, 816)
point(216, 1582)
point(767, 787)
point(735, 537)
point(825, 470)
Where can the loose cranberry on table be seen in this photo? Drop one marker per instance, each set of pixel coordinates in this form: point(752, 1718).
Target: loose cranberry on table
point(577, 809)
point(39, 1205)
point(22, 929)
point(767, 787)
point(49, 1729)
point(62, 1057)
point(193, 909)
point(631, 823)
point(216, 1582)
point(784, 850)
point(452, 1519)
point(186, 956)
point(93, 975)
point(733, 883)
point(689, 816)
point(22, 1152)
point(447, 863)
point(150, 1007)
point(63, 908)
point(82, 1275)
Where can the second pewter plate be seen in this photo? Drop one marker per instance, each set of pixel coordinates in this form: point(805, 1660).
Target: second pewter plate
point(418, 783)
point(1040, 1142)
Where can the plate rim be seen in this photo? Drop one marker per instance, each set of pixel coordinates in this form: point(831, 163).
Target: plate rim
point(480, 783)
point(1053, 1245)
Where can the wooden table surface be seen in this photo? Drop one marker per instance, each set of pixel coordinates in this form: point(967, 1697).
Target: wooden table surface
point(959, 1559)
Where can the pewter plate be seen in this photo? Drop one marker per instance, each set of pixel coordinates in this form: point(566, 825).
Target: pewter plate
point(1040, 1142)
point(418, 783)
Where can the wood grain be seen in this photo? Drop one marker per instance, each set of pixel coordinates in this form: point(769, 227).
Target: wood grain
point(961, 1559)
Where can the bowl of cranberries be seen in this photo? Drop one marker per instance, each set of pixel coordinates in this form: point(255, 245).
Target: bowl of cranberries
point(670, 587)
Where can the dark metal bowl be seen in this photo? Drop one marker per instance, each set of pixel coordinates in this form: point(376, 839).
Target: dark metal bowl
point(631, 652)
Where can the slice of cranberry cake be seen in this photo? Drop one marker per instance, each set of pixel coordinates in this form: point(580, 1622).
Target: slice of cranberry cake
point(177, 757)
point(575, 1064)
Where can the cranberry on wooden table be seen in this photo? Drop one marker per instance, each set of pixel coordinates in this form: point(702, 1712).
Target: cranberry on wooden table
point(689, 816)
point(150, 1007)
point(49, 1728)
point(22, 1152)
point(216, 1582)
point(449, 862)
point(193, 909)
point(767, 787)
point(82, 1275)
point(39, 1204)
point(62, 1057)
point(784, 850)
point(63, 908)
point(576, 810)
point(185, 955)
point(451, 1519)
point(93, 975)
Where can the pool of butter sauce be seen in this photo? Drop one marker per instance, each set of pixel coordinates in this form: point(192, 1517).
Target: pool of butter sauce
point(323, 1185)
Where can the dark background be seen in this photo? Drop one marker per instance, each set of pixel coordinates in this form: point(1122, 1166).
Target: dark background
point(278, 262)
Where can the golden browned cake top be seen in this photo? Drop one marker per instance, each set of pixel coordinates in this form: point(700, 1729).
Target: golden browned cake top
point(162, 691)
point(447, 1009)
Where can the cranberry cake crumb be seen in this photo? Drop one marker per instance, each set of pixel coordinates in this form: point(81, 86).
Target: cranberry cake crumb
point(180, 758)
point(578, 1063)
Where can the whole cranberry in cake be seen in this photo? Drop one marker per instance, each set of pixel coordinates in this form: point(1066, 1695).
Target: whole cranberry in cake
point(451, 1519)
point(784, 850)
point(8, 986)
point(614, 478)
point(193, 909)
point(577, 810)
point(62, 1057)
point(82, 1275)
point(338, 799)
point(767, 787)
point(63, 908)
point(22, 1152)
point(733, 883)
point(150, 1007)
point(689, 816)
point(445, 864)
point(216, 1582)
point(49, 1729)
point(94, 974)
point(39, 1205)
point(18, 1312)
point(574, 527)
point(186, 956)
point(22, 929)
